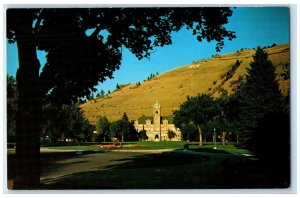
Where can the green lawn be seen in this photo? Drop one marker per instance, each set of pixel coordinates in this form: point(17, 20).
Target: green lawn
point(207, 147)
point(210, 169)
point(76, 147)
point(223, 167)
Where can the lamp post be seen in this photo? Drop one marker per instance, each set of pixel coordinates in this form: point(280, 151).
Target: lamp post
point(215, 137)
point(94, 136)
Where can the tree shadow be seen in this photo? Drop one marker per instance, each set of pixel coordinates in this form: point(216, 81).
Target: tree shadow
point(47, 159)
point(174, 170)
point(210, 150)
point(151, 171)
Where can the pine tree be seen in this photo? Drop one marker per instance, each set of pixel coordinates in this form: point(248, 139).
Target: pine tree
point(260, 95)
point(102, 93)
point(103, 128)
point(118, 87)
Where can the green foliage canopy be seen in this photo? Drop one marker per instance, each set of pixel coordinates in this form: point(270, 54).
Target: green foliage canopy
point(77, 61)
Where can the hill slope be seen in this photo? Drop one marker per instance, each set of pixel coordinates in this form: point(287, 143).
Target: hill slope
point(171, 88)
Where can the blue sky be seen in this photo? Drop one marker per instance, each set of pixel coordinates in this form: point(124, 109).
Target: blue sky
point(254, 26)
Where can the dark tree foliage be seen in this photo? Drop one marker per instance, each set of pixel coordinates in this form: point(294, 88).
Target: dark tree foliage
point(72, 55)
point(12, 96)
point(271, 143)
point(260, 96)
point(236, 85)
point(128, 132)
point(271, 137)
point(223, 117)
point(102, 93)
point(189, 131)
point(125, 126)
point(103, 129)
point(118, 87)
point(171, 134)
point(77, 61)
point(143, 135)
point(123, 129)
point(114, 129)
point(198, 110)
point(67, 122)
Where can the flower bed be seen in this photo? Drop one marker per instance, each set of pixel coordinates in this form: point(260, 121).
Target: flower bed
point(112, 146)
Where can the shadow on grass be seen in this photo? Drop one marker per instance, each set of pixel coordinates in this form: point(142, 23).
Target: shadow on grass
point(176, 171)
point(209, 150)
point(151, 171)
point(46, 159)
point(170, 170)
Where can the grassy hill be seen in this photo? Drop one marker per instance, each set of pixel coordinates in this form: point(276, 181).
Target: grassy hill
point(171, 88)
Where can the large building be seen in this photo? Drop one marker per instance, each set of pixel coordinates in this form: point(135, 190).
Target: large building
point(157, 127)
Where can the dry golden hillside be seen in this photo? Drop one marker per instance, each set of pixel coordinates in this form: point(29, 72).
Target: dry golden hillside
point(171, 88)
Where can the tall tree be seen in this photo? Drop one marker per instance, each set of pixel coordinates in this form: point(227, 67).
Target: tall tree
point(198, 110)
point(114, 129)
point(128, 131)
point(125, 126)
point(226, 115)
point(260, 95)
point(188, 131)
point(78, 57)
point(103, 128)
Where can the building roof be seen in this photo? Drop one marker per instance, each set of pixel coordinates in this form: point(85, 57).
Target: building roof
point(142, 119)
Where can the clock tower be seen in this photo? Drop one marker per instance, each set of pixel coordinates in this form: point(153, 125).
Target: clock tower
point(156, 121)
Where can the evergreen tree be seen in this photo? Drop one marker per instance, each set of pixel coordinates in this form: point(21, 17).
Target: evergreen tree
point(103, 128)
point(114, 129)
point(118, 86)
point(100, 94)
point(260, 95)
point(128, 132)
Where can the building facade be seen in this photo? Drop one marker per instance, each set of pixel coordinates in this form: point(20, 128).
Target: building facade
point(157, 127)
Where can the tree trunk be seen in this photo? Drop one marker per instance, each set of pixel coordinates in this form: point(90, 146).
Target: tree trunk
point(28, 121)
point(223, 138)
point(200, 136)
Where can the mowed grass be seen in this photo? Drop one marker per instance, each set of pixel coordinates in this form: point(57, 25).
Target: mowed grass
point(198, 168)
point(209, 169)
point(194, 146)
